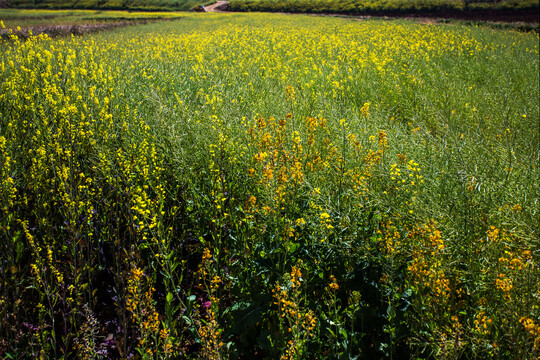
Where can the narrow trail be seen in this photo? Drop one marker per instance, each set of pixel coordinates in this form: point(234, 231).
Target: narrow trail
point(219, 6)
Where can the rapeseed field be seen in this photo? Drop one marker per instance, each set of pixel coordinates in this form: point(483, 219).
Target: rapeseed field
point(256, 186)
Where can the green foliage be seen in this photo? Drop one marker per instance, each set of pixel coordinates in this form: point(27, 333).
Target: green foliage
point(356, 7)
point(242, 185)
point(145, 5)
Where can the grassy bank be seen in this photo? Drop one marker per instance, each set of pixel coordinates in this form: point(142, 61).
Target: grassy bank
point(269, 186)
point(50, 20)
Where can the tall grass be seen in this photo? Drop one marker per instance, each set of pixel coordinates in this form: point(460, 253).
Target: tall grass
point(233, 186)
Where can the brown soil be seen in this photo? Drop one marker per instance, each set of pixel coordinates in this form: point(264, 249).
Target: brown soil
point(522, 20)
point(219, 6)
point(506, 16)
point(68, 29)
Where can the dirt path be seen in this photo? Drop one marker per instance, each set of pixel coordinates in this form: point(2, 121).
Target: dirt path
point(219, 6)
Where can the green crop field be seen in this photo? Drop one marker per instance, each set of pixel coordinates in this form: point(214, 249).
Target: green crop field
point(264, 186)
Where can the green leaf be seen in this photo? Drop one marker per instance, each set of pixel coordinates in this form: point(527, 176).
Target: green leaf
point(292, 248)
point(186, 320)
point(19, 247)
point(169, 297)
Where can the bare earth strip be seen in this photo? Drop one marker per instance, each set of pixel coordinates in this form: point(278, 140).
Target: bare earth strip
point(75, 29)
point(219, 6)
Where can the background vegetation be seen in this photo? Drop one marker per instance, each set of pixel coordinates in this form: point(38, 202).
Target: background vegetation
point(380, 6)
point(145, 5)
point(266, 186)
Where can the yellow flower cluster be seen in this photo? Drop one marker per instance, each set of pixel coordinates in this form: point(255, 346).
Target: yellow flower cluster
point(504, 284)
point(533, 330)
point(205, 266)
point(333, 283)
point(409, 177)
point(210, 333)
point(208, 328)
point(154, 339)
point(297, 323)
point(289, 91)
point(425, 268)
point(482, 323)
point(364, 110)
point(285, 160)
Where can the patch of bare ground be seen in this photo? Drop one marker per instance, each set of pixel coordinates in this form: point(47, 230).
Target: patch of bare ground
point(521, 20)
point(516, 20)
point(502, 16)
point(72, 29)
point(219, 6)
point(490, 16)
